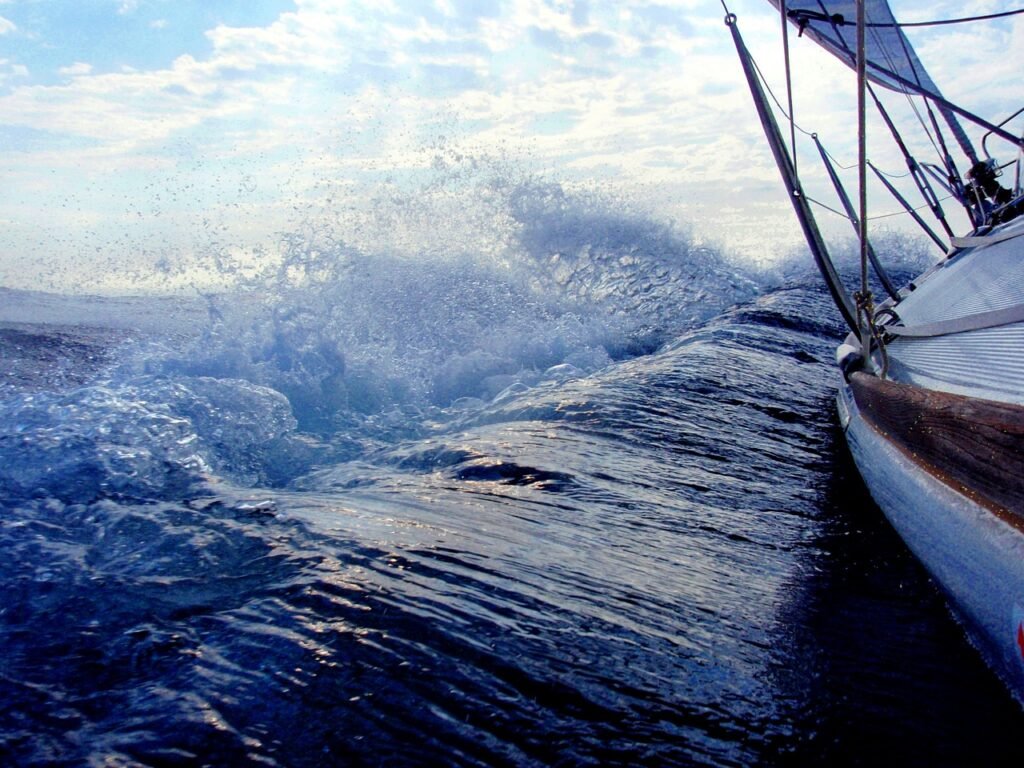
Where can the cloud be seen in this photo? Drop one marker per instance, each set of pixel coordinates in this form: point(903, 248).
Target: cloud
point(443, 78)
point(21, 139)
point(598, 40)
point(6, 26)
point(628, 91)
point(128, 6)
point(9, 70)
point(556, 122)
point(470, 12)
point(655, 17)
point(580, 13)
point(548, 39)
point(158, 24)
point(77, 69)
point(316, 61)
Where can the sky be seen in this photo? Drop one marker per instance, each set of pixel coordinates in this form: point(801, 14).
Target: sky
point(176, 136)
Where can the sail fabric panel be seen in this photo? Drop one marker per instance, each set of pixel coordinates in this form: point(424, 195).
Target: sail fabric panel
point(889, 56)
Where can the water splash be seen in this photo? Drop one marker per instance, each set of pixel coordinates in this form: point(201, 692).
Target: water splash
point(348, 334)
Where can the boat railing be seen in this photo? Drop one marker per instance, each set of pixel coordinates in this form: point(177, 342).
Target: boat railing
point(1018, 180)
point(1010, 210)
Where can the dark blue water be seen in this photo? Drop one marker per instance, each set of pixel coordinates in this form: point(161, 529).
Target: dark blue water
point(588, 508)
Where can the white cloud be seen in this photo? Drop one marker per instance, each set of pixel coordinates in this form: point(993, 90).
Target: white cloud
point(77, 69)
point(128, 6)
point(158, 24)
point(6, 26)
point(9, 70)
point(628, 92)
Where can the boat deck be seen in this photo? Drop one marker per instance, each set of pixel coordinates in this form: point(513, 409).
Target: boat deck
point(986, 363)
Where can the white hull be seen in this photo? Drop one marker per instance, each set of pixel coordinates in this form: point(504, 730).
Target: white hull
point(974, 554)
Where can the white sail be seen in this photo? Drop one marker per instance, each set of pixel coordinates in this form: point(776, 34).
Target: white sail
point(891, 60)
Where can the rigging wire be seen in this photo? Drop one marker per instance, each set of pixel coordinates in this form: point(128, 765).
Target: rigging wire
point(798, 127)
point(803, 17)
point(782, 109)
point(810, 134)
point(895, 175)
point(938, 22)
point(832, 157)
point(890, 215)
point(907, 213)
point(789, 84)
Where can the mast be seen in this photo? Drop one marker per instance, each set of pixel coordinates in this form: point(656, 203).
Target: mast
point(865, 310)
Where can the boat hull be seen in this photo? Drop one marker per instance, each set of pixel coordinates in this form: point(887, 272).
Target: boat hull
point(973, 551)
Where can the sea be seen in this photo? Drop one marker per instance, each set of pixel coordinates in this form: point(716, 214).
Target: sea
point(579, 501)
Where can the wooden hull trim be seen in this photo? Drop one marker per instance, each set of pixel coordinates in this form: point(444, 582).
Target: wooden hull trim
point(975, 555)
point(975, 446)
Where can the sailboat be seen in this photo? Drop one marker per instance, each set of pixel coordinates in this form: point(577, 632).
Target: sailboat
point(931, 376)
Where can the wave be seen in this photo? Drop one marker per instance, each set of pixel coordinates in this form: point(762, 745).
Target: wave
point(347, 334)
point(336, 352)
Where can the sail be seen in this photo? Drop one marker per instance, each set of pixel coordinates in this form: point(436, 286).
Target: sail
point(890, 59)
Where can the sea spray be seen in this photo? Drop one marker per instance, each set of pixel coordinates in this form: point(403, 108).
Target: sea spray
point(348, 334)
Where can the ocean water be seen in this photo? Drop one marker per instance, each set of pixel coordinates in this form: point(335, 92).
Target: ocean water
point(584, 502)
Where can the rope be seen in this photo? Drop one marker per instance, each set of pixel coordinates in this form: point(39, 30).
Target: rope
point(828, 208)
point(803, 17)
point(894, 175)
point(870, 218)
point(782, 109)
point(939, 22)
point(793, 123)
point(906, 213)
